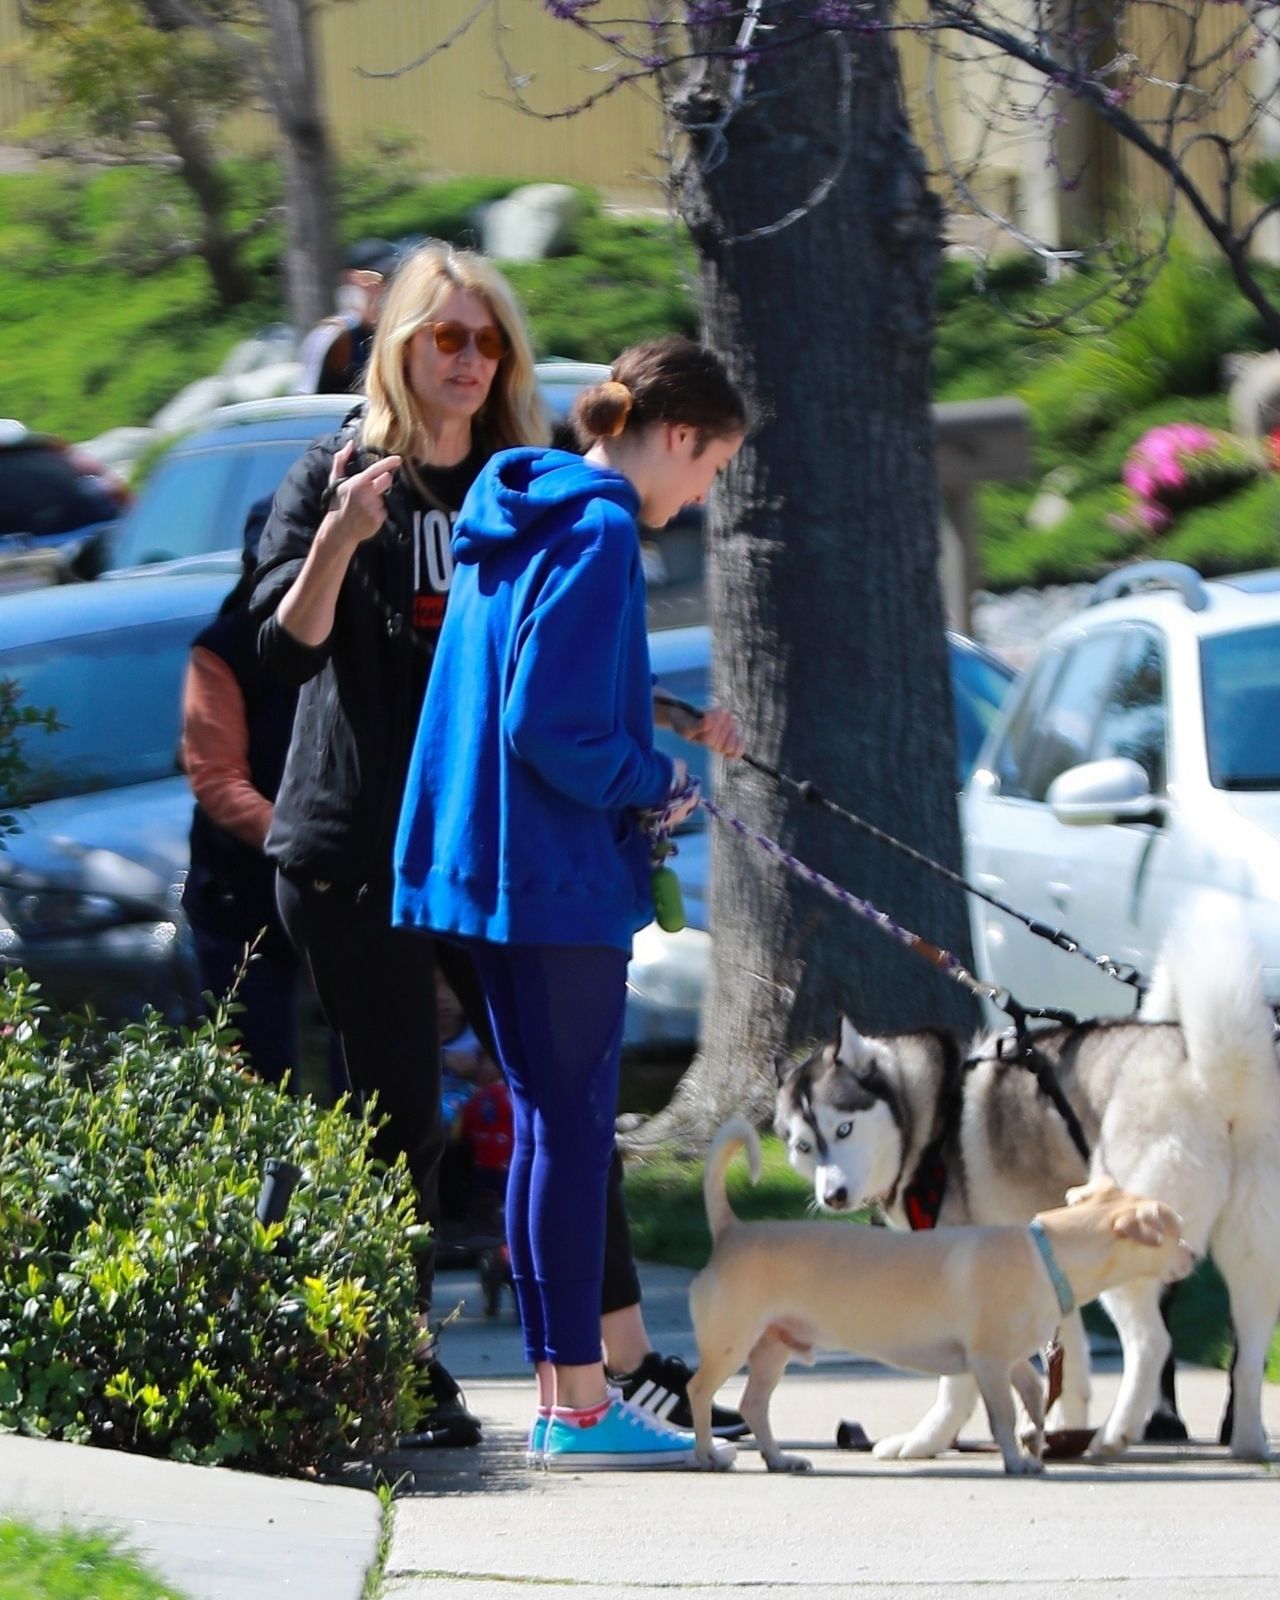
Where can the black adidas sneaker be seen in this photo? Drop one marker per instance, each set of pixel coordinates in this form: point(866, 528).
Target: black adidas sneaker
point(660, 1384)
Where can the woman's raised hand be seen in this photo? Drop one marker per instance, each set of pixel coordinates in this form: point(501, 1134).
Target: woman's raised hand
point(358, 510)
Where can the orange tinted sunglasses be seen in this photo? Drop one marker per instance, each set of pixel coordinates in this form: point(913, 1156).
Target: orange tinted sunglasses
point(451, 337)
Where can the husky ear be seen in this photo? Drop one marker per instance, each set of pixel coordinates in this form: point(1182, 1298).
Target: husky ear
point(783, 1067)
point(1145, 1223)
point(850, 1045)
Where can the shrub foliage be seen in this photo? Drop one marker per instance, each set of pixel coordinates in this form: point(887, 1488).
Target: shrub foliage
point(142, 1304)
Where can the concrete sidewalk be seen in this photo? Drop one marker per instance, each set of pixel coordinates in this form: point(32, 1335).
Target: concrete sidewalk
point(213, 1533)
point(1164, 1524)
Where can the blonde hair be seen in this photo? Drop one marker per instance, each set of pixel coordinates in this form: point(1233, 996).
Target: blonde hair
point(513, 413)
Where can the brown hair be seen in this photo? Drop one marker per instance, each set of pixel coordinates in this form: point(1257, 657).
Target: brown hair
point(670, 380)
point(513, 414)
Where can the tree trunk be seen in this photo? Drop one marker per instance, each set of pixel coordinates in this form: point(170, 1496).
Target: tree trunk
point(290, 82)
point(218, 247)
point(822, 556)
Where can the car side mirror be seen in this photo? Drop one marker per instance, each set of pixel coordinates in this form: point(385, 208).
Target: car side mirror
point(1097, 792)
point(89, 559)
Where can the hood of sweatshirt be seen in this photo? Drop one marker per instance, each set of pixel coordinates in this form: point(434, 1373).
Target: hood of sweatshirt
point(513, 496)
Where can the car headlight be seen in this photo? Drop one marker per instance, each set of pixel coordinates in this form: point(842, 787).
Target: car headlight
point(45, 913)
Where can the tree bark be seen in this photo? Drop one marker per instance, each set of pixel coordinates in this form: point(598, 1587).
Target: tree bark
point(822, 557)
point(219, 247)
point(289, 77)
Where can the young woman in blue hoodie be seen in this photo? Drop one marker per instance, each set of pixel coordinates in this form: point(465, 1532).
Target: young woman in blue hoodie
point(520, 831)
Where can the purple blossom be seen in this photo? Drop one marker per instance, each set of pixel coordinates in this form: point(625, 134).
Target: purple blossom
point(832, 13)
point(568, 10)
point(702, 13)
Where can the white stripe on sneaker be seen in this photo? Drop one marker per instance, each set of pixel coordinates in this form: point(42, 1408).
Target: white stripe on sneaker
point(654, 1398)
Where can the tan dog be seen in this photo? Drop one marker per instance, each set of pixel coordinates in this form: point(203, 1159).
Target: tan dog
point(971, 1299)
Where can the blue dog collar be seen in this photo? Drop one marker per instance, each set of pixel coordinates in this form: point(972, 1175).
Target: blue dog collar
point(1066, 1300)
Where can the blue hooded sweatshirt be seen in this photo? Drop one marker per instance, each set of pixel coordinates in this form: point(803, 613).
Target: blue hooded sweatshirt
point(536, 740)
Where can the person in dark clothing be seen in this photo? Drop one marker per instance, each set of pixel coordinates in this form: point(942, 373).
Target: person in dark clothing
point(335, 354)
point(353, 575)
point(236, 723)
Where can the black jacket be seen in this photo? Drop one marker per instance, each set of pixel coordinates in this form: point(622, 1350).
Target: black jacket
point(361, 691)
point(230, 887)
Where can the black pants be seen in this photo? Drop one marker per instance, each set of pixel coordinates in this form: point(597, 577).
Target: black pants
point(377, 989)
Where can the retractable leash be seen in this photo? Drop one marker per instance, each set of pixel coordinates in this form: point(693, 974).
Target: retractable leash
point(809, 791)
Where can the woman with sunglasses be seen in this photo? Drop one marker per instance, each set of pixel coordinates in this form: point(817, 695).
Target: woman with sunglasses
point(353, 575)
point(519, 834)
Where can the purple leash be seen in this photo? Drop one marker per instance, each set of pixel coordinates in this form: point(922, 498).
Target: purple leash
point(946, 963)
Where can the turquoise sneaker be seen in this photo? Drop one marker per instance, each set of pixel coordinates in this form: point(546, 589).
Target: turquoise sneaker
point(535, 1450)
point(625, 1439)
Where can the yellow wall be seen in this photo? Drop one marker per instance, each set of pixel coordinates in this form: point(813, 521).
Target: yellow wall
point(457, 107)
point(17, 98)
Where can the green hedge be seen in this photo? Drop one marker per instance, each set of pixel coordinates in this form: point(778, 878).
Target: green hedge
point(142, 1305)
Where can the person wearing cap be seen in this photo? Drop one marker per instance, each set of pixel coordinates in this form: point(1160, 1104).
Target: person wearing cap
point(335, 353)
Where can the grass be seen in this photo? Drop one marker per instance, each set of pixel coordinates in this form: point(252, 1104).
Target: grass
point(664, 1202)
point(668, 1224)
point(69, 1565)
point(98, 339)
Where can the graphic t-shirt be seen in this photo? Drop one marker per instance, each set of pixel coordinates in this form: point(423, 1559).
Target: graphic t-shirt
point(431, 532)
point(430, 546)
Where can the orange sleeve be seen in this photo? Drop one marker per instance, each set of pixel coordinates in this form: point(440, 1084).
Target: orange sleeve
point(215, 748)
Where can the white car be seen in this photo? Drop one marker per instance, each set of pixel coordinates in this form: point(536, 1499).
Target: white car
point(1137, 765)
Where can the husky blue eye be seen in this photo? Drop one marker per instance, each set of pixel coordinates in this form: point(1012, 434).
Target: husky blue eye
point(802, 1147)
point(844, 1130)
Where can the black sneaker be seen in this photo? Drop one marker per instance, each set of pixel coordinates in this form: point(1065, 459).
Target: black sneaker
point(660, 1384)
point(445, 1424)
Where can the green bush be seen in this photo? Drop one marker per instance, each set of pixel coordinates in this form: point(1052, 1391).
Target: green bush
point(142, 1305)
point(1171, 344)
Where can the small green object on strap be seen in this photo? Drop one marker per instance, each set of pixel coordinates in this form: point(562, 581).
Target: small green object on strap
point(668, 902)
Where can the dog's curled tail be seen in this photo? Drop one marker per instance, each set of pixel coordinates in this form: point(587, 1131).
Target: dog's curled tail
point(736, 1134)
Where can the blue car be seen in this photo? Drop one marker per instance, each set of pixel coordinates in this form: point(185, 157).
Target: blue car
point(193, 505)
point(90, 886)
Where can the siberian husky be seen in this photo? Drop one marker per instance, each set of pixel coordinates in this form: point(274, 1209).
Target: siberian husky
point(975, 1300)
point(1182, 1104)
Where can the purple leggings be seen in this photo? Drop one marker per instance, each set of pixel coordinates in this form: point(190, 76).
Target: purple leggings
point(556, 1012)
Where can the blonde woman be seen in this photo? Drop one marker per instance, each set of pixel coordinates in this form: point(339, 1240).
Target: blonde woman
point(353, 577)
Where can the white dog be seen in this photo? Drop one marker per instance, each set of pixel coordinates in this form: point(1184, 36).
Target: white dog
point(1185, 1108)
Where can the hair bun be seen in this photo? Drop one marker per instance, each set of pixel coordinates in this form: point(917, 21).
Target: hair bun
point(616, 395)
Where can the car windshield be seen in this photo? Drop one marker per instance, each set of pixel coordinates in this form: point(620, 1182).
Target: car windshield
point(97, 686)
point(196, 501)
point(1241, 673)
